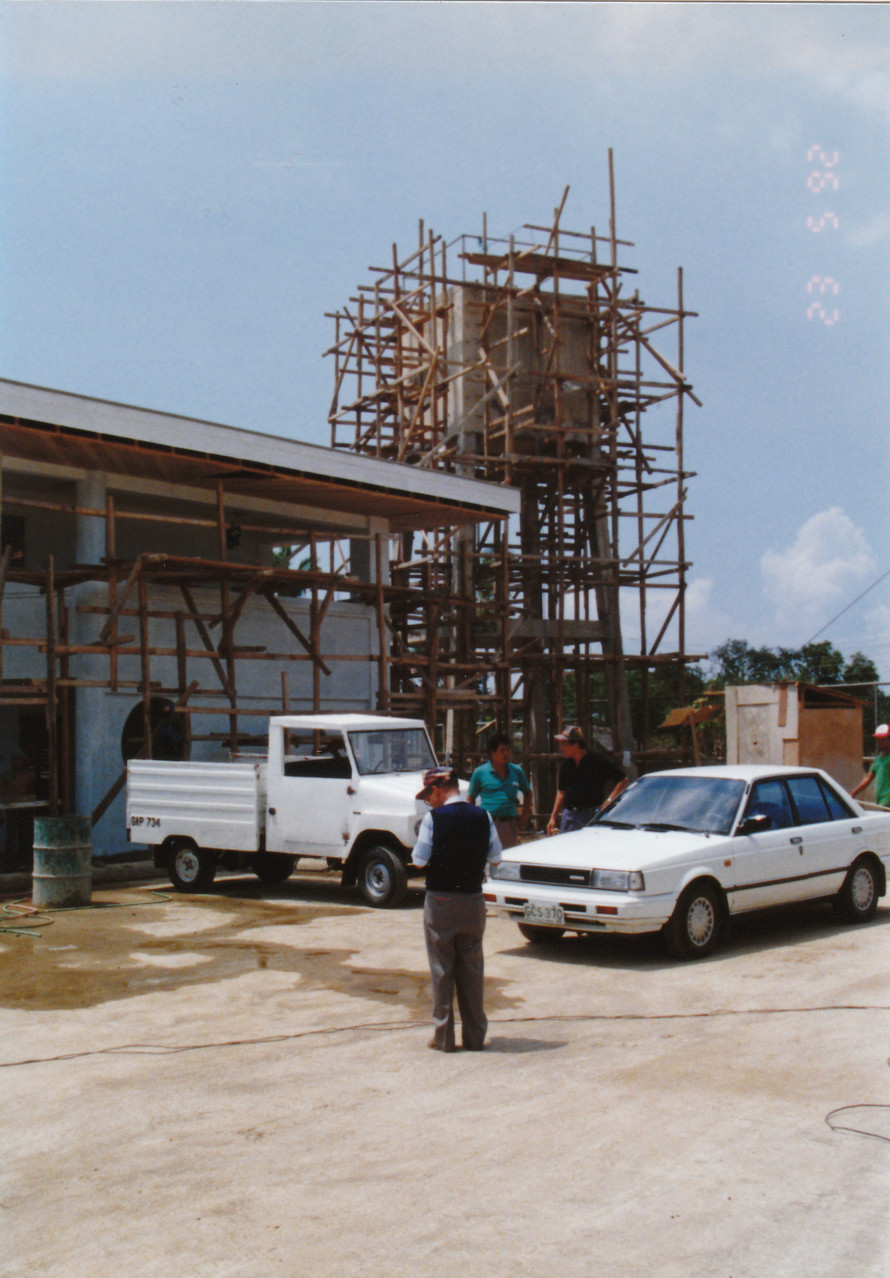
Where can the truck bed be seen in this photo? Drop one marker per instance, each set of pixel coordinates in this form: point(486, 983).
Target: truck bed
point(219, 805)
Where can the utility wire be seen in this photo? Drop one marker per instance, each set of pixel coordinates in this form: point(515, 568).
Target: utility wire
point(850, 605)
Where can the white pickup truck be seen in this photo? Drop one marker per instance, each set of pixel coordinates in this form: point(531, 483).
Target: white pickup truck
point(337, 788)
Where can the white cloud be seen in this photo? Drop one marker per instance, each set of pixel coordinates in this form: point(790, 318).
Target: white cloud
point(706, 626)
point(678, 41)
point(824, 566)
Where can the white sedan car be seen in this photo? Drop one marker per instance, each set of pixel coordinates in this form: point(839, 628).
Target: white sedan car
point(682, 851)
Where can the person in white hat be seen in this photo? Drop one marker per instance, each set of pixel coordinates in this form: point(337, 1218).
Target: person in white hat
point(880, 768)
point(455, 844)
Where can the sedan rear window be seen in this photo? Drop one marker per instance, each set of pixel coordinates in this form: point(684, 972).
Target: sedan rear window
point(809, 800)
point(703, 804)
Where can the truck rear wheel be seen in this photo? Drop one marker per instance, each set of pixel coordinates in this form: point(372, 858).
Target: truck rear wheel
point(382, 878)
point(191, 868)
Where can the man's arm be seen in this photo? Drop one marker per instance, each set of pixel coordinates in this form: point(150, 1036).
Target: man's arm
point(423, 848)
point(622, 785)
point(862, 784)
point(552, 826)
point(494, 843)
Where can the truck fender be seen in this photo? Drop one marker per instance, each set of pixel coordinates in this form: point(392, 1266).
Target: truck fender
point(369, 839)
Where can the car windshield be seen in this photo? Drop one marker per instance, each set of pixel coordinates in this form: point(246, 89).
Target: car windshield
point(391, 750)
point(704, 804)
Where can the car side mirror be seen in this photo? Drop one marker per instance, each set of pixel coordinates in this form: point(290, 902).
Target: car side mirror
point(755, 824)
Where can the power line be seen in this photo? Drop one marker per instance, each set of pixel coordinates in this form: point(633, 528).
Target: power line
point(850, 605)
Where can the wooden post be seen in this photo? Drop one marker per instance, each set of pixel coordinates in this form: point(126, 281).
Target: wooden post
point(383, 701)
point(226, 645)
point(145, 663)
point(4, 568)
point(111, 555)
point(51, 726)
point(314, 624)
point(65, 738)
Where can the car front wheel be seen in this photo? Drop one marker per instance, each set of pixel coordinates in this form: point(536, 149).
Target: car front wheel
point(857, 900)
point(382, 878)
point(696, 923)
point(191, 868)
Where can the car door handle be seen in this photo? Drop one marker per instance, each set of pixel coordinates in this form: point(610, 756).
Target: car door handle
point(857, 829)
point(797, 839)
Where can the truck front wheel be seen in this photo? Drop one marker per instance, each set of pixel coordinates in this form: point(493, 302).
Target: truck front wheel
point(382, 878)
point(191, 868)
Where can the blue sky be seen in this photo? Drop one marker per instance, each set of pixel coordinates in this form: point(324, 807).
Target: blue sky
point(188, 188)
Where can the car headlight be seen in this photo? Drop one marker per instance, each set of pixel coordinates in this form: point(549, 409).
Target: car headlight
point(506, 870)
point(617, 880)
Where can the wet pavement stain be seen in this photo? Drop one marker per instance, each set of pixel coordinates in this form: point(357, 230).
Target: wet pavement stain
point(84, 960)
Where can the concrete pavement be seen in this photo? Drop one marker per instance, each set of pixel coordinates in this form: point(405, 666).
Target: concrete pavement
point(238, 1084)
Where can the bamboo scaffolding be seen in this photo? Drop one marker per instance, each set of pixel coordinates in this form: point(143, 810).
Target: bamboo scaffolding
point(482, 376)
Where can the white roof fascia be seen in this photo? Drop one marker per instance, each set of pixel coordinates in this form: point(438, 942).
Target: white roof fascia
point(80, 412)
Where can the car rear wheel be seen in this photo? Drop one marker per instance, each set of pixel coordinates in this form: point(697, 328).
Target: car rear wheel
point(857, 900)
point(696, 923)
point(382, 878)
point(537, 935)
point(191, 868)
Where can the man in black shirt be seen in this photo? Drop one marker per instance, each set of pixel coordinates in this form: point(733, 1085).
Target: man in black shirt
point(585, 780)
point(455, 842)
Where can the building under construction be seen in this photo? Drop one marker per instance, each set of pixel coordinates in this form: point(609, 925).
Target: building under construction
point(167, 583)
point(534, 362)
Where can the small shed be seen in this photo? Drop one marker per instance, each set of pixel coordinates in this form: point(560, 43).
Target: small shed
point(796, 724)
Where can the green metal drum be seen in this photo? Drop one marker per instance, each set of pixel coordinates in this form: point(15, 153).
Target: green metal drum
point(62, 861)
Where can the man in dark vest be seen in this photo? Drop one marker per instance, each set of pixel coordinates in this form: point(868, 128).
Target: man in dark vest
point(455, 843)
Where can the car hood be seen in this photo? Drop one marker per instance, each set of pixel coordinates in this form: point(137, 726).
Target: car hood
point(609, 849)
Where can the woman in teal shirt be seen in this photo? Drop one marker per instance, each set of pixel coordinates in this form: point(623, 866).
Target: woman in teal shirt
point(497, 786)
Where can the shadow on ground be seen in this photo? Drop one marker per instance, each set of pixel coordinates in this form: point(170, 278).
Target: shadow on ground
point(767, 930)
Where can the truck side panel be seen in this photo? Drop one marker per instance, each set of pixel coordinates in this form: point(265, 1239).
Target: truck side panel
point(218, 805)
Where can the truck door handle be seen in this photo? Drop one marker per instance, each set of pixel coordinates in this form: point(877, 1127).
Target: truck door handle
point(350, 789)
point(271, 812)
point(797, 839)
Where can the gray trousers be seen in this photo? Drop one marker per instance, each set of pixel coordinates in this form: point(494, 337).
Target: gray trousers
point(453, 924)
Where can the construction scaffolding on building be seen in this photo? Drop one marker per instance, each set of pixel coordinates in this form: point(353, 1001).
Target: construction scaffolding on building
point(202, 574)
point(136, 631)
point(535, 366)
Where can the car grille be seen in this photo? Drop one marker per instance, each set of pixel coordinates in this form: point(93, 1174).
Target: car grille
point(556, 874)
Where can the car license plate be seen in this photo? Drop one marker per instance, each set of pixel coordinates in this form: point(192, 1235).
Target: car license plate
point(543, 913)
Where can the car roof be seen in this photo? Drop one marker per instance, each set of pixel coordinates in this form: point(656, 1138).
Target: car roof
point(746, 772)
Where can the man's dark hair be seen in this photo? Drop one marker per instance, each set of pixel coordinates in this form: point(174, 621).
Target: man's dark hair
point(496, 740)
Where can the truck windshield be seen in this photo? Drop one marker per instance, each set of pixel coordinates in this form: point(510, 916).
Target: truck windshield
point(391, 750)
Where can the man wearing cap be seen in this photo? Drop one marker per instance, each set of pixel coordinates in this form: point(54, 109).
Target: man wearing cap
point(455, 843)
point(880, 768)
point(585, 780)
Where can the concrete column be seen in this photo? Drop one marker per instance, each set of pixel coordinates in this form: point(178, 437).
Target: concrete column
point(90, 531)
point(96, 752)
